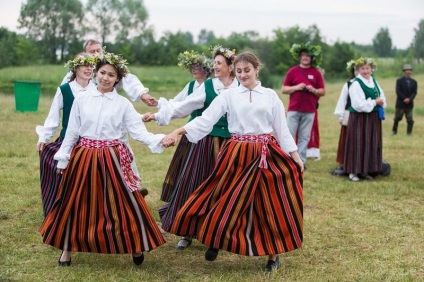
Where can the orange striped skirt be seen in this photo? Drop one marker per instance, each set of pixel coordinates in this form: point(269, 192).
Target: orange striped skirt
point(95, 212)
point(246, 209)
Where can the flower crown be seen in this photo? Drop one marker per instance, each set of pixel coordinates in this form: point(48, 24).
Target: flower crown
point(190, 59)
point(366, 61)
point(351, 66)
point(80, 60)
point(116, 60)
point(227, 53)
point(312, 50)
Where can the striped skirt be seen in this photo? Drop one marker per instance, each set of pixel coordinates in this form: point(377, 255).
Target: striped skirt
point(95, 212)
point(364, 144)
point(190, 166)
point(342, 145)
point(245, 209)
point(48, 177)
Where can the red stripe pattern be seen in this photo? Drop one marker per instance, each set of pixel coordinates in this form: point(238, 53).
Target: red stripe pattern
point(243, 208)
point(125, 158)
point(94, 211)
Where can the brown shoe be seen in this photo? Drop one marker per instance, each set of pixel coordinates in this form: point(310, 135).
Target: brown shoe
point(144, 192)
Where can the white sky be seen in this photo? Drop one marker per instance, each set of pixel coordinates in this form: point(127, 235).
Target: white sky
point(347, 21)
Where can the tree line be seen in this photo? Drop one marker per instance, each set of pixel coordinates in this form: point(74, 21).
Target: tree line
point(53, 32)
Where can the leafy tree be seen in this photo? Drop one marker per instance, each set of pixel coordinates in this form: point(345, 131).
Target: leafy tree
point(117, 20)
point(7, 48)
point(173, 44)
point(52, 23)
point(382, 43)
point(205, 37)
point(338, 55)
point(418, 42)
point(26, 51)
point(132, 19)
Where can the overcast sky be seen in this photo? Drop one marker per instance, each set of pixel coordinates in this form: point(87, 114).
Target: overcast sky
point(347, 21)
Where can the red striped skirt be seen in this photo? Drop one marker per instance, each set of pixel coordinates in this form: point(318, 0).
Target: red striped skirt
point(49, 179)
point(94, 211)
point(191, 164)
point(364, 144)
point(243, 208)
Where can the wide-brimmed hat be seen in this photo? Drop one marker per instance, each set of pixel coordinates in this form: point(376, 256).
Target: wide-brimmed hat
point(407, 67)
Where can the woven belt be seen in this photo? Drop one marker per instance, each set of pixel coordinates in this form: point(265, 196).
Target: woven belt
point(125, 158)
point(264, 139)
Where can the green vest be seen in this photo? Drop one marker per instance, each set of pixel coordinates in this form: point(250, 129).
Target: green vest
point(68, 100)
point(220, 129)
point(369, 92)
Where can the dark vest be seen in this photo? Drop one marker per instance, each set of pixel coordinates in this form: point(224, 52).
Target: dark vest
point(369, 92)
point(220, 129)
point(68, 100)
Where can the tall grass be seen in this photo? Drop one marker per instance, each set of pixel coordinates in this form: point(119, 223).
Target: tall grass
point(365, 231)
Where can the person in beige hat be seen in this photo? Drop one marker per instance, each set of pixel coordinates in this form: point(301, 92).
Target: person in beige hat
point(406, 90)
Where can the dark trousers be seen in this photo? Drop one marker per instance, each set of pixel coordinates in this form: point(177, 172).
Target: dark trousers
point(400, 112)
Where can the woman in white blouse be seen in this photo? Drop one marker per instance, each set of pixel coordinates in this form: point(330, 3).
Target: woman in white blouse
point(193, 163)
point(96, 209)
point(252, 204)
point(81, 69)
point(364, 142)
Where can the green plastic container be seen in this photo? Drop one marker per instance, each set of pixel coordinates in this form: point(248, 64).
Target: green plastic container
point(27, 95)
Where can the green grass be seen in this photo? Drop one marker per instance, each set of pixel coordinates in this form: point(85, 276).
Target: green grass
point(366, 231)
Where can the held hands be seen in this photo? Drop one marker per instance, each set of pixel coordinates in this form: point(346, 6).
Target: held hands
point(40, 146)
point(148, 117)
point(149, 100)
point(59, 171)
point(169, 140)
point(300, 86)
point(406, 100)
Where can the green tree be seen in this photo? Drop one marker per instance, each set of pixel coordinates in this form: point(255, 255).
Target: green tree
point(7, 48)
point(205, 37)
point(52, 23)
point(117, 20)
point(418, 42)
point(337, 56)
point(382, 43)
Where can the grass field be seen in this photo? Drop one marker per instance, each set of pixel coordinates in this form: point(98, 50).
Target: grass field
point(365, 231)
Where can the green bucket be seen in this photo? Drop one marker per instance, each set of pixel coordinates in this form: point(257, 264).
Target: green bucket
point(27, 95)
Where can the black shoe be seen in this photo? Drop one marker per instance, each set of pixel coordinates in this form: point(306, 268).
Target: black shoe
point(144, 192)
point(64, 263)
point(272, 264)
point(211, 254)
point(139, 259)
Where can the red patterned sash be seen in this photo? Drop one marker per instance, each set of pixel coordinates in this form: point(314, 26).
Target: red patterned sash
point(125, 158)
point(264, 139)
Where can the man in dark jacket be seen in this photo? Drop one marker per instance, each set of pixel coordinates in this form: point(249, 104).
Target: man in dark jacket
point(406, 90)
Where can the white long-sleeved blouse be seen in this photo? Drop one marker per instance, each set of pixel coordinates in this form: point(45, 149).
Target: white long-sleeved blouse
point(131, 85)
point(52, 122)
point(357, 96)
point(192, 102)
point(341, 103)
point(249, 112)
point(180, 96)
point(104, 117)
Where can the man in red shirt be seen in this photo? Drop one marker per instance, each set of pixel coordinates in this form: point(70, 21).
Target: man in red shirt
point(305, 85)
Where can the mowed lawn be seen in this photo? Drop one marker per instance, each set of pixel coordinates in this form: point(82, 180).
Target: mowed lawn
point(365, 231)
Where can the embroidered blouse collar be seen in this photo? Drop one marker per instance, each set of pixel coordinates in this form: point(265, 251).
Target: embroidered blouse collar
point(110, 95)
point(258, 88)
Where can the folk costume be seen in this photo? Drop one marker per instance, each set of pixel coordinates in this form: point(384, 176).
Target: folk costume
point(96, 209)
point(192, 163)
point(364, 143)
point(251, 204)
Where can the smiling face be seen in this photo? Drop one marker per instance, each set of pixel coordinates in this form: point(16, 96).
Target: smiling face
point(83, 73)
point(305, 59)
point(365, 71)
point(107, 77)
point(221, 68)
point(246, 73)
